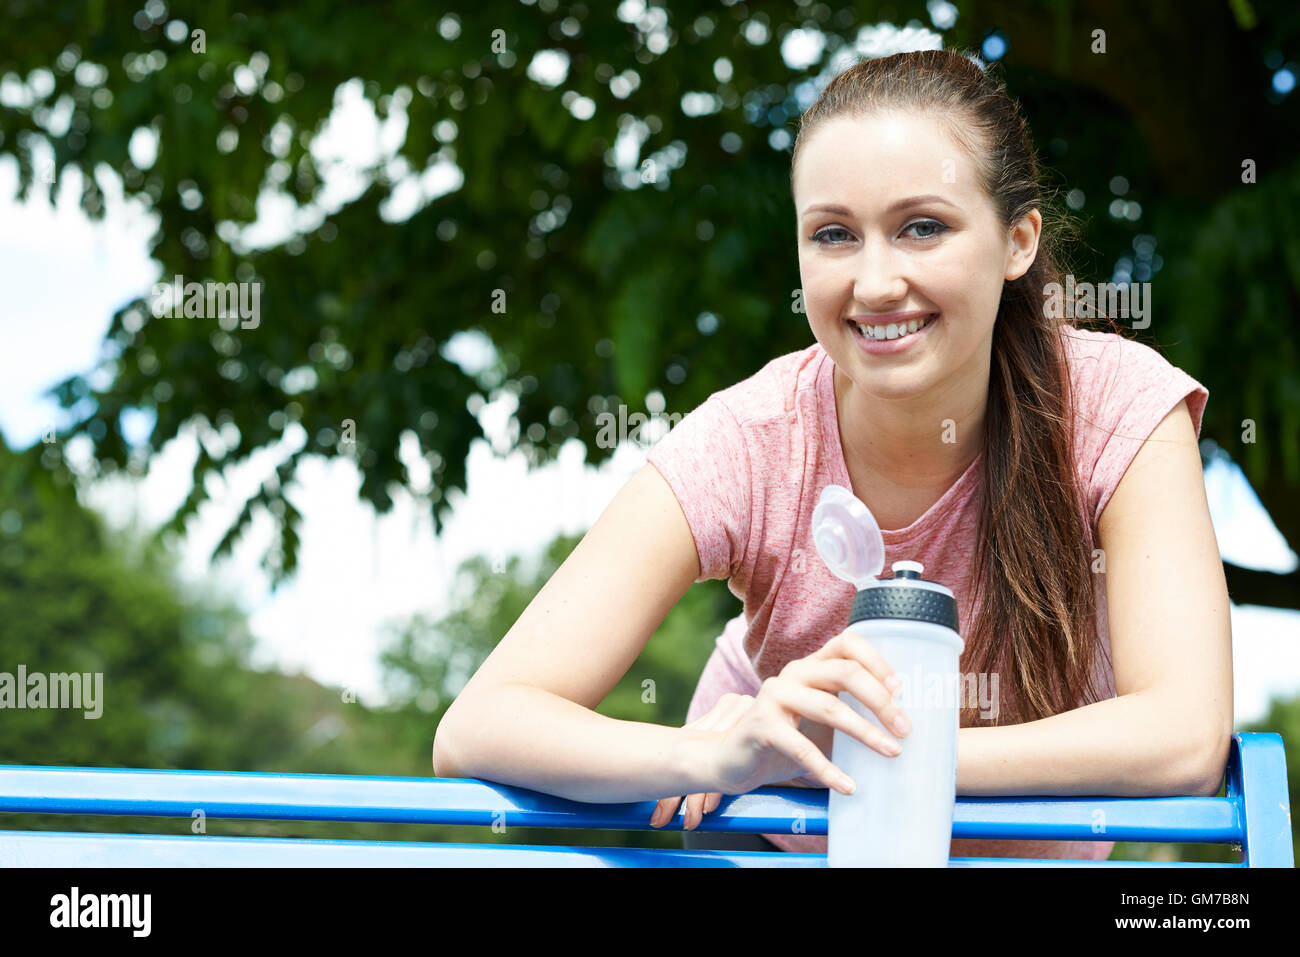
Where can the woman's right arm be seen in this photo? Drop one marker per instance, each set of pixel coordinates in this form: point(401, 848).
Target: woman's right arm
point(526, 717)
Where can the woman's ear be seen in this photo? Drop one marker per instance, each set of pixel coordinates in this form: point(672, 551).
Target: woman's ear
point(1024, 244)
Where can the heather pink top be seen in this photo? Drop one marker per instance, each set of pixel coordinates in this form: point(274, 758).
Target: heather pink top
point(749, 464)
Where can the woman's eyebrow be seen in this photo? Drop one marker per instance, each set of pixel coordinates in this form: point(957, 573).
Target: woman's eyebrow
point(892, 208)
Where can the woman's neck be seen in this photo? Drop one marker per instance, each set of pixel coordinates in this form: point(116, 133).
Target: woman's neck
point(925, 447)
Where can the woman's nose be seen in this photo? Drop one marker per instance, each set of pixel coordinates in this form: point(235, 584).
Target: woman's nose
point(878, 279)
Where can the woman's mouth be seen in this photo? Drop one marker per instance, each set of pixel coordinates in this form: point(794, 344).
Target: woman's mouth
point(890, 337)
point(886, 331)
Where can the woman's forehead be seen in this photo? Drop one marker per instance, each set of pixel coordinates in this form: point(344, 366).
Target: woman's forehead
point(900, 141)
point(872, 162)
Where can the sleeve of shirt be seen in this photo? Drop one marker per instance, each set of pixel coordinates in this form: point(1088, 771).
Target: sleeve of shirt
point(1128, 390)
point(705, 461)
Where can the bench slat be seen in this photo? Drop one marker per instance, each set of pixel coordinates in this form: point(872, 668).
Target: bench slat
point(61, 849)
point(326, 797)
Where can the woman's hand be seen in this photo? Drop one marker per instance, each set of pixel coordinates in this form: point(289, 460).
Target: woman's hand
point(721, 717)
point(819, 735)
point(765, 744)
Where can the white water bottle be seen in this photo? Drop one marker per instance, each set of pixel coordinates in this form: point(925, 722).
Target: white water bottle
point(900, 814)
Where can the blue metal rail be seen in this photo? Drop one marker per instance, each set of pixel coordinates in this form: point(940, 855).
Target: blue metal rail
point(1254, 813)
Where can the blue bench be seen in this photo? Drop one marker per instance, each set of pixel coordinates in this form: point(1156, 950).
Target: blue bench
point(1254, 814)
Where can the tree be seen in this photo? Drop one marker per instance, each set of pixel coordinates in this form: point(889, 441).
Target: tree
point(597, 284)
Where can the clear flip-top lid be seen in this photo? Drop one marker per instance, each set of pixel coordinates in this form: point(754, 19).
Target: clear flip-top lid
point(847, 537)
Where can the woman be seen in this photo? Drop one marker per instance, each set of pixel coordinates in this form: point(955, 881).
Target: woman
point(1048, 475)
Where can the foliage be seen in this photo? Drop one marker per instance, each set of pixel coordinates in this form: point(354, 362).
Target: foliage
point(675, 274)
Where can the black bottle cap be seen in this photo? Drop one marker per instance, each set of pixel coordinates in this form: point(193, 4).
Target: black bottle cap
point(906, 596)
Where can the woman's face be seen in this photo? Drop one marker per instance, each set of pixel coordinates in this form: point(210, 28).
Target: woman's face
point(911, 232)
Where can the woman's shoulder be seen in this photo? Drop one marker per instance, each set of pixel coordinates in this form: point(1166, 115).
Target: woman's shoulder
point(1123, 386)
point(1107, 367)
point(750, 418)
point(771, 391)
point(1091, 349)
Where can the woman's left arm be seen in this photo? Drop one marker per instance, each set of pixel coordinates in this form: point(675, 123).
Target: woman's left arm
point(1168, 730)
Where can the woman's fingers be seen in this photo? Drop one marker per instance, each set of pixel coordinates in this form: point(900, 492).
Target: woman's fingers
point(851, 645)
point(719, 718)
point(663, 812)
point(826, 708)
point(843, 674)
point(697, 805)
point(774, 738)
point(729, 712)
point(803, 752)
point(694, 811)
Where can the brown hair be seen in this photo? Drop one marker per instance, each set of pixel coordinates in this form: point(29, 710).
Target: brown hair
point(1031, 577)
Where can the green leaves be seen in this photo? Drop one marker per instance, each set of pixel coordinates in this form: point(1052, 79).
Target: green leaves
point(553, 216)
point(637, 315)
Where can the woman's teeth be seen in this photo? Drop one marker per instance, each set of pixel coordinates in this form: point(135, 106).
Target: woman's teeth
point(892, 330)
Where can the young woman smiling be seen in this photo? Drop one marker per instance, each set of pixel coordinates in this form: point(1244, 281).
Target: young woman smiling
point(1048, 475)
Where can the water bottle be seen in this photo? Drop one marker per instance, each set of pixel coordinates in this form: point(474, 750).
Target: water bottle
point(900, 814)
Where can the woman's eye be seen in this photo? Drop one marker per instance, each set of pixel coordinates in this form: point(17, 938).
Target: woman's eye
point(820, 236)
point(937, 228)
point(927, 229)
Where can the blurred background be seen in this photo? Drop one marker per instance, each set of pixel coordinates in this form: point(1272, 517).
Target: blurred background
point(484, 239)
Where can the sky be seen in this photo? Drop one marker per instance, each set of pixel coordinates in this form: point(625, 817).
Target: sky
point(61, 279)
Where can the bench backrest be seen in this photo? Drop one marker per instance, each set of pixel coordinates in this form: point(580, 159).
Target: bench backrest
point(1254, 814)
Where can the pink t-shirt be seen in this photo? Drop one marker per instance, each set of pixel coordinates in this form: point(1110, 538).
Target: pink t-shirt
point(749, 464)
